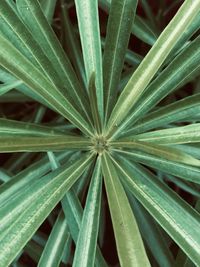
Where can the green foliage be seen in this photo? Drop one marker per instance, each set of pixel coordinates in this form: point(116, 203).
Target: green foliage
point(114, 131)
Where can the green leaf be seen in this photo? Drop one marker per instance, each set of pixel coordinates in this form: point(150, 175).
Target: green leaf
point(88, 22)
point(178, 219)
point(87, 239)
point(43, 201)
point(181, 70)
point(155, 241)
point(183, 171)
point(8, 127)
point(25, 177)
point(62, 72)
point(47, 143)
point(48, 7)
point(94, 104)
point(121, 17)
point(53, 250)
point(165, 152)
point(187, 107)
point(16, 63)
point(129, 243)
point(151, 63)
point(7, 87)
point(73, 212)
point(71, 44)
point(176, 135)
point(139, 28)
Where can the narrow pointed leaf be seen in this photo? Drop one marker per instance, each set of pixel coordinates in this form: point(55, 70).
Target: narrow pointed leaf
point(183, 171)
point(87, 239)
point(152, 62)
point(16, 63)
point(180, 110)
point(7, 87)
point(73, 211)
point(164, 152)
point(18, 233)
point(53, 250)
point(8, 127)
point(35, 20)
point(177, 218)
point(182, 69)
point(94, 104)
point(91, 45)
point(71, 44)
point(120, 21)
point(47, 143)
point(48, 7)
point(129, 243)
point(139, 28)
point(177, 135)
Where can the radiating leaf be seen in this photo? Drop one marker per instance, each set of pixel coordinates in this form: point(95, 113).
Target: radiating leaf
point(47, 143)
point(155, 241)
point(139, 27)
point(34, 18)
point(177, 218)
point(88, 22)
point(151, 63)
point(73, 211)
point(16, 63)
point(164, 152)
point(48, 7)
point(176, 135)
point(172, 77)
point(174, 112)
point(183, 171)
point(45, 199)
point(8, 127)
point(87, 239)
point(53, 251)
point(94, 104)
point(120, 21)
point(129, 243)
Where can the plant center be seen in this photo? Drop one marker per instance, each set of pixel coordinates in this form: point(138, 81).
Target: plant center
point(100, 144)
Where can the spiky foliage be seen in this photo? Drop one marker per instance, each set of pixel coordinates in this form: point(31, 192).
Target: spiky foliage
point(117, 120)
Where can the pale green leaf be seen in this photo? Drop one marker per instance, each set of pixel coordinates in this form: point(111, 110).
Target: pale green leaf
point(87, 239)
point(182, 69)
point(129, 243)
point(181, 170)
point(16, 63)
point(180, 110)
point(48, 7)
point(45, 199)
point(47, 143)
point(150, 65)
point(62, 73)
point(176, 135)
point(53, 250)
point(120, 21)
point(88, 22)
point(73, 211)
point(177, 218)
point(164, 152)
point(8, 127)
